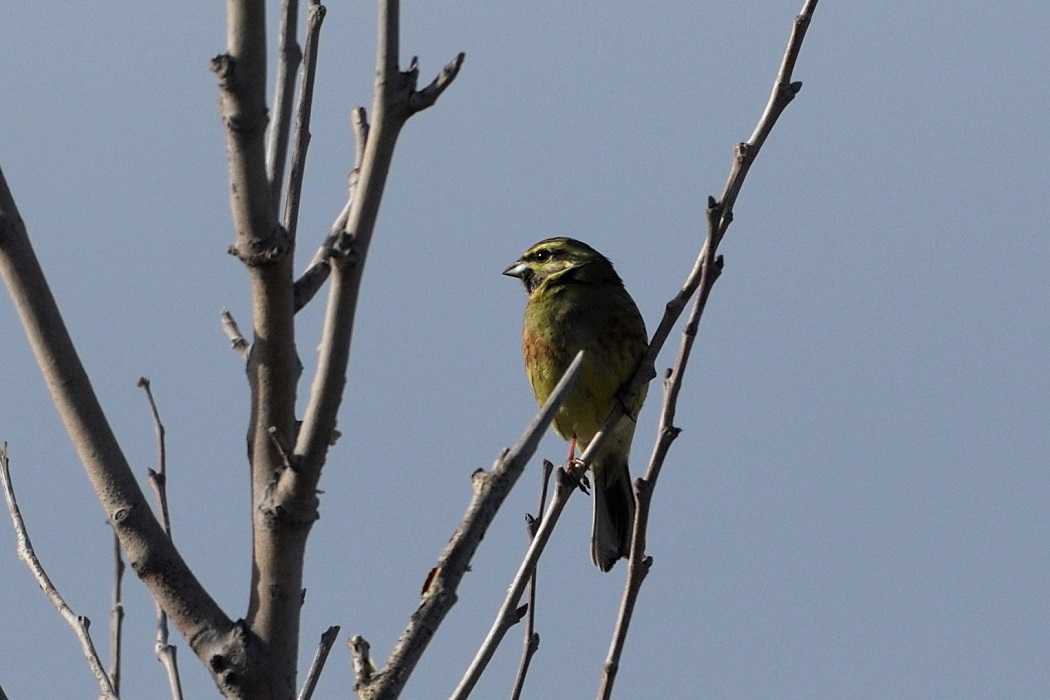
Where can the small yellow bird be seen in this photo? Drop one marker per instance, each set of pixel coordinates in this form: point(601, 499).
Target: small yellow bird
point(578, 302)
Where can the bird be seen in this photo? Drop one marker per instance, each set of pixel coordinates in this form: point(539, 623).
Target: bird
point(577, 301)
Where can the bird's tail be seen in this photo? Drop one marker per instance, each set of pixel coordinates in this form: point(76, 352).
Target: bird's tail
point(613, 512)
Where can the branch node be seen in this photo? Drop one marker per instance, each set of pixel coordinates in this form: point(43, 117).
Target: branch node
point(263, 251)
point(480, 479)
point(418, 101)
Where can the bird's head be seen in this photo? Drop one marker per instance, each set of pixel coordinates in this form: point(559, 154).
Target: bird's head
point(561, 260)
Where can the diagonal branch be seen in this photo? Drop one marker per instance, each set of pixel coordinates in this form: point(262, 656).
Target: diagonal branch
point(510, 612)
point(156, 561)
point(328, 638)
point(316, 274)
point(79, 623)
point(719, 216)
point(439, 593)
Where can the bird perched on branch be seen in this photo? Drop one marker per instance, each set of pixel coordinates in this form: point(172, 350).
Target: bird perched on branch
point(578, 302)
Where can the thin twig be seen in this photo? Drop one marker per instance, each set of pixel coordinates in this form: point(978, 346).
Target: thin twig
point(531, 642)
point(288, 57)
point(116, 616)
point(510, 613)
point(233, 332)
point(79, 623)
point(166, 653)
point(719, 216)
point(315, 13)
point(320, 266)
point(567, 482)
point(328, 638)
point(439, 595)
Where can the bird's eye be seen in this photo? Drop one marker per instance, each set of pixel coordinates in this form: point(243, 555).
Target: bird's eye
point(541, 256)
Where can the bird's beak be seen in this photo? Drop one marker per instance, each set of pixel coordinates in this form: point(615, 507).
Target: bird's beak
point(518, 270)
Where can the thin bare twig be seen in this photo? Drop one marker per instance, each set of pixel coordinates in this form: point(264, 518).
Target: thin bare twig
point(510, 613)
point(439, 594)
point(531, 641)
point(567, 482)
point(328, 638)
point(79, 623)
point(719, 216)
point(321, 265)
point(315, 13)
point(166, 653)
point(116, 616)
point(288, 57)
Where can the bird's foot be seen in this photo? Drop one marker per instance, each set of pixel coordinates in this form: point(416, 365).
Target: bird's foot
point(576, 474)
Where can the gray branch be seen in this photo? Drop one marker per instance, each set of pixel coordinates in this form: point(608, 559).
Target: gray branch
point(211, 634)
point(707, 270)
point(439, 591)
point(315, 13)
point(289, 56)
point(79, 623)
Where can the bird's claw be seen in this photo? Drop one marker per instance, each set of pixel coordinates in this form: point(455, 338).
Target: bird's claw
point(575, 475)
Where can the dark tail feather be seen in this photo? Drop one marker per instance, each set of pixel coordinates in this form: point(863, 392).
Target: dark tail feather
point(613, 515)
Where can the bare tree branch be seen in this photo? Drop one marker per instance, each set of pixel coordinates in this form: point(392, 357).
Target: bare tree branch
point(289, 56)
point(211, 634)
point(391, 109)
point(241, 73)
point(439, 593)
point(320, 266)
point(315, 13)
point(167, 654)
point(719, 215)
point(328, 638)
point(116, 617)
point(79, 623)
point(278, 533)
point(510, 612)
point(531, 641)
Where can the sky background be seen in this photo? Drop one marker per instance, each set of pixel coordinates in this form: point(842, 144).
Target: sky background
point(858, 503)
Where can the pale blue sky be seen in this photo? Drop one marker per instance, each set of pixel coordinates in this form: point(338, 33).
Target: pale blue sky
point(857, 506)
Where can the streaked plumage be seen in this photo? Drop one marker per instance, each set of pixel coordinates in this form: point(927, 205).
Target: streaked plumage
point(578, 302)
